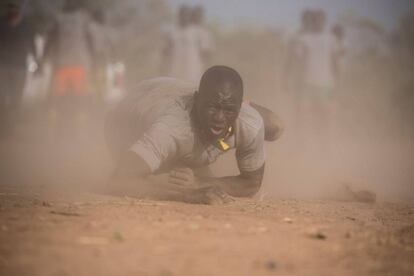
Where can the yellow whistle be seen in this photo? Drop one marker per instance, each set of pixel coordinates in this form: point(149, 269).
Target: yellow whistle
point(223, 145)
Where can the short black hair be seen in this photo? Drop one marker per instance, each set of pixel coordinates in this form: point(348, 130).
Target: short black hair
point(218, 77)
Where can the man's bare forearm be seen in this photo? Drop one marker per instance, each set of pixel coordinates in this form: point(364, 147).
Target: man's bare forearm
point(246, 184)
point(156, 187)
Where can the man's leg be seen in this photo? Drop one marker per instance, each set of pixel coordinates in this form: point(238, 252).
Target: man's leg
point(272, 124)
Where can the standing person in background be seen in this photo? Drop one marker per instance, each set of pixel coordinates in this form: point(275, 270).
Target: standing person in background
point(184, 48)
point(294, 67)
point(102, 49)
point(338, 56)
point(338, 32)
point(16, 43)
point(69, 46)
point(319, 51)
point(205, 42)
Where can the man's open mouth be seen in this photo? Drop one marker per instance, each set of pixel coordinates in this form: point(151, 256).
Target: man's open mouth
point(216, 130)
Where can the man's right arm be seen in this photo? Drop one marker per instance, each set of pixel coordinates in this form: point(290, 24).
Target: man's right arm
point(133, 177)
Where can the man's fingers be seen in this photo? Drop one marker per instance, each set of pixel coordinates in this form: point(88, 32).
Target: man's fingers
point(181, 175)
point(186, 171)
point(216, 198)
point(178, 181)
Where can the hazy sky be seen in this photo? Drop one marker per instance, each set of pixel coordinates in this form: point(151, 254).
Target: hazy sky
point(285, 13)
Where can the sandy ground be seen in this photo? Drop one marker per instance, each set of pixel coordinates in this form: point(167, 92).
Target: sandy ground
point(84, 234)
point(52, 224)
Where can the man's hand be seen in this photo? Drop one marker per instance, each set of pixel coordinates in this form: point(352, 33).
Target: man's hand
point(212, 195)
point(194, 191)
point(183, 177)
point(216, 196)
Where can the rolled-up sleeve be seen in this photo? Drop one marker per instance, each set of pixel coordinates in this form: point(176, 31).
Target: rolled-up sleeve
point(251, 154)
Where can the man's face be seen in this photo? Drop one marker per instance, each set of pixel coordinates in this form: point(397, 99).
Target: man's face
point(217, 112)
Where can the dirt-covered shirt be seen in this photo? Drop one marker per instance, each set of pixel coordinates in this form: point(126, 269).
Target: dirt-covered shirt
point(155, 123)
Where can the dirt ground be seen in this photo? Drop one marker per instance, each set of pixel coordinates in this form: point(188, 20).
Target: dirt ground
point(52, 224)
point(63, 233)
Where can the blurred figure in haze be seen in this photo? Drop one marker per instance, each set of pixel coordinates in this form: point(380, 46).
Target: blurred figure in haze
point(102, 46)
point(16, 43)
point(318, 52)
point(294, 68)
point(338, 32)
point(69, 46)
point(186, 47)
point(205, 42)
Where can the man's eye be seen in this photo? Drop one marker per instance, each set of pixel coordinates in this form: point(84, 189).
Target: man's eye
point(229, 110)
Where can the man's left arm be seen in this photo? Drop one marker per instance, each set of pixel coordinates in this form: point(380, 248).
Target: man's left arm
point(246, 184)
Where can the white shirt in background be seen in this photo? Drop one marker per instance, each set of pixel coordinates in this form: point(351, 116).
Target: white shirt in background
point(319, 51)
point(186, 54)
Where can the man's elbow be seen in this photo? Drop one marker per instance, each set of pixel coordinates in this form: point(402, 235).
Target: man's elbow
point(252, 182)
point(252, 188)
point(273, 128)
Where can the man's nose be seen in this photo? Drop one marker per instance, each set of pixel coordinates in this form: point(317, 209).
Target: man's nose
point(219, 116)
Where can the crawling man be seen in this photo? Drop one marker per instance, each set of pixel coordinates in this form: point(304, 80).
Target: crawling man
point(163, 136)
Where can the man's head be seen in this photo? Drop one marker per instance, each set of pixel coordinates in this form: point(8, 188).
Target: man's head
point(184, 16)
point(218, 101)
point(306, 20)
point(197, 15)
point(338, 31)
point(320, 21)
